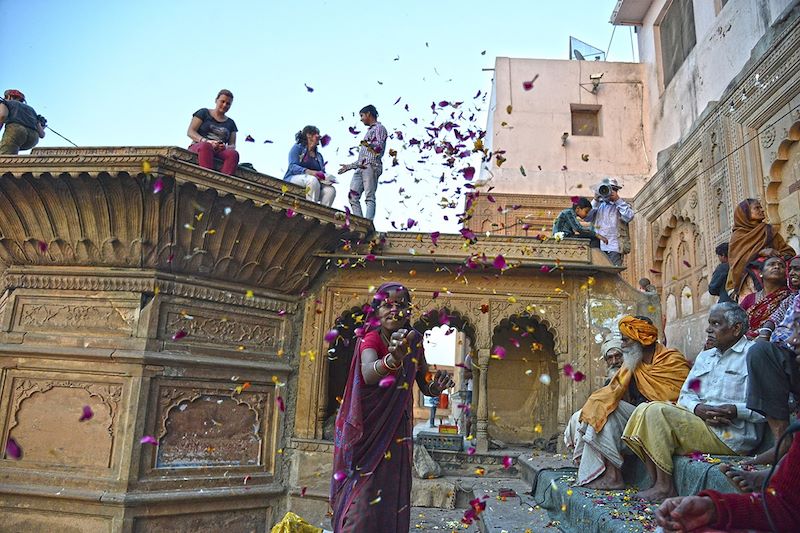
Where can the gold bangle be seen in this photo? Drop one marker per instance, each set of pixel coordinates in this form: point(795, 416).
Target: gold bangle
point(390, 367)
point(375, 368)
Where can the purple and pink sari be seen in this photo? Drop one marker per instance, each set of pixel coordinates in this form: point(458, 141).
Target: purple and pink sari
point(371, 486)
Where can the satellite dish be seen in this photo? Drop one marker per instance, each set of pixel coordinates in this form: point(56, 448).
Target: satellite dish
point(578, 55)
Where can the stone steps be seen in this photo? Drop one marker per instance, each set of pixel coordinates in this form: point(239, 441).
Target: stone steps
point(575, 509)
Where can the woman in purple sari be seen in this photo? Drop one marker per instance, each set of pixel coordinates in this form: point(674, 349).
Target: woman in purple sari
point(371, 485)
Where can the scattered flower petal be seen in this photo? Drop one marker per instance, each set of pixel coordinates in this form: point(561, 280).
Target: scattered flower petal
point(13, 449)
point(87, 414)
point(178, 335)
point(158, 186)
point(339, 475)
point(281, 404)
point(387, 382)
point(148, 439)
point(694, 385)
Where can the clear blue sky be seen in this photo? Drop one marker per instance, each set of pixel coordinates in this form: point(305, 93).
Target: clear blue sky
point(119, 73)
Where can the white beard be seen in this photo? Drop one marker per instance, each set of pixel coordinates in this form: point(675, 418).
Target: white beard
point(632, 356)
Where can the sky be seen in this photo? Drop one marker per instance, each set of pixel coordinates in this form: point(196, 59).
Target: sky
point(124, 73)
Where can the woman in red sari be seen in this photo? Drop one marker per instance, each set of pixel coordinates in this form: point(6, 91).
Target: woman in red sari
point(762, 305)
point(372, 457)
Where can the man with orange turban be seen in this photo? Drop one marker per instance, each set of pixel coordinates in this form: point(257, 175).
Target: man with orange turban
point(649, 372)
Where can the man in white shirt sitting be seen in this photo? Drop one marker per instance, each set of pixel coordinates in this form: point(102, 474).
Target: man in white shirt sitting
point(711, 415)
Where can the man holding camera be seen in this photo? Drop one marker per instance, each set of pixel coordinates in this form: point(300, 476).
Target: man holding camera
point(611, 215)
point(24, 127)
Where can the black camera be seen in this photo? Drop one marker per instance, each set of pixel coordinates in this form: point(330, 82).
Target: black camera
point(604, 191)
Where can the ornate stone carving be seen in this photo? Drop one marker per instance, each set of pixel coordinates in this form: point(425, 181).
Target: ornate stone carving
point(768, 136)
point(217, 433)
point(35, 316)
point(262, 335)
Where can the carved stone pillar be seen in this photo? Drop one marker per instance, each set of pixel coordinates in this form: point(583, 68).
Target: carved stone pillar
point(482, 435)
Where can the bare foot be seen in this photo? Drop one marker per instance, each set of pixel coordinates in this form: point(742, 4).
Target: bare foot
point(764, 458)
point(744, 480)
point(656, 493)
point(606, 482)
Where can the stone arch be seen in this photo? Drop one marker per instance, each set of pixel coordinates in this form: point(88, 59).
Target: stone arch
point(524, 408)
point(782, 185)
point(443, 315)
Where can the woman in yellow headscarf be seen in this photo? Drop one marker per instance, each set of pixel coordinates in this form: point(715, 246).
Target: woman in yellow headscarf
point(650, 372)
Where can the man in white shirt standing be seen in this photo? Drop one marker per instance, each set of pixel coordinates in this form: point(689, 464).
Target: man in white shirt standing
point(711, 415)
point(609, 212)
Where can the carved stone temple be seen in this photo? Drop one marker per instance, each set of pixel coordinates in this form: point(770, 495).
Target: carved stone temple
point(191, 307)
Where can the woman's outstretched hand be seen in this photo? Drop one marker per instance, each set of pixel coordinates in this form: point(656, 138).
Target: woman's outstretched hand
point(441, 382)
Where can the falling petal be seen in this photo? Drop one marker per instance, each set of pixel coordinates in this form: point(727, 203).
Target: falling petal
point(578, 376)
point(249, 294)
point(686, 264)
point(471, 450)
point(339, 475)
point(282, 312)
point(290, 213)
point(537, 428)
point(325, 140)
point(178, 335)
point(568, 371)
point(387, 382)
point(87, 414)
point(508, 109)
point(435, 237)
point(13, 449)
point(469, 173)
point(42, 246)
point(148, 439)
point(544, 379)
point(268, 142)
point(574, 199)
point(332, 335)
point(499, 262)
point(499, 352)
point(527, 85)
point(694, 385)
point(544, 269)
point(522, 170)
point(281, 404)
point(249, 139)
point(484, 308)
point(507, 462)
point(146, 167)
point(158, 186)
point(309, 89)
point(352, 130)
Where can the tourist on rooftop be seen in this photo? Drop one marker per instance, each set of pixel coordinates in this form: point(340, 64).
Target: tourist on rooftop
point(307, 167)
point(371, 484)
point(752, 238)
point(369, 165)
point(650, 372)
point(611, 215)
point(710, 417)
point(213, 134)
point(746, 511)
point(24, 127)
point(567, 224)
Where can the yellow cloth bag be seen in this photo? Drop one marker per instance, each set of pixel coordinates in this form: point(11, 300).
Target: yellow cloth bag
point(292, 523)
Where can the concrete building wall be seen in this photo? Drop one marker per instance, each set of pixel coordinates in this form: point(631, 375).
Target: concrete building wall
point(537, 160)
point(725, 39)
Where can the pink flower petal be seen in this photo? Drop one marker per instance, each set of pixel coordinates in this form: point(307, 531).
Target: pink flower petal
point(158, 186)
point(281, 404)
point(290, 213)
point(303, 491)
point(352, 130)
point(527, 85)
point(471, 450)
point(411, 223)
point(370, 257)
point(499, 351)
point(178, 335)
point(13, 449)
point(435, 237)
point(507, 462)
point(469, 173)
point(249, 139)
point(282, 312)
point(574, 199)
point(514, 341)
point(499, 262)
point(568, 371)
point(578, 376)
point(87, 414)
point(339, 475)
point(544, 269)
point(332, 335)
point(387, 382)
point(148, 439)
point(42, 246)
point(694, 385)
point(325, 140)
point(435, 294)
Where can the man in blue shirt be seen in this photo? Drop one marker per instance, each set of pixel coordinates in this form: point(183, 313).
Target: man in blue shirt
point(568, 225)
point(610, 215)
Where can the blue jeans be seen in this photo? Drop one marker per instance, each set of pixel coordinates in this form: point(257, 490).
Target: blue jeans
point(365, 181)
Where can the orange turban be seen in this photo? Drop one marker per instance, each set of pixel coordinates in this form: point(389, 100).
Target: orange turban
point(638, 330)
